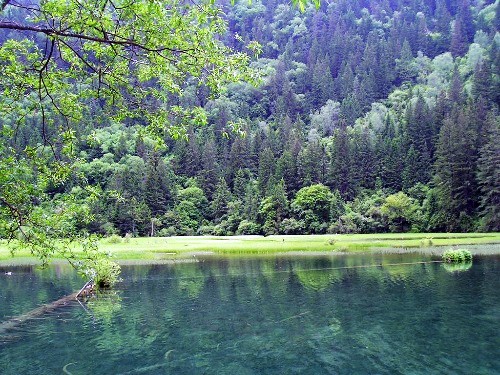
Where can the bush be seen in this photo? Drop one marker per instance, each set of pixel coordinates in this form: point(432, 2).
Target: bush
point(167, 232)
point(205, 230)
point(219, 230)
point(248, 227)
point(347, 223)
point(292, 226)
point(458, 255)
point(114, 239)
point(109, 229)
point(127, 237)
point(102, 271)
point(106, 274)
point(426, 242)
point(269, 228)
point(184, 231)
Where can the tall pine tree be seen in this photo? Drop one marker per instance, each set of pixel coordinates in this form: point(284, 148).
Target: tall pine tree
point(488, 176)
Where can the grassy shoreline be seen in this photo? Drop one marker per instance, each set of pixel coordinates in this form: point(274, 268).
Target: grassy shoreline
point(154, 249)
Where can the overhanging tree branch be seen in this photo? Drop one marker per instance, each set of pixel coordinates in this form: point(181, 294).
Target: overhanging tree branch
point(4, 4)
point(82, 61)
point(60, 33)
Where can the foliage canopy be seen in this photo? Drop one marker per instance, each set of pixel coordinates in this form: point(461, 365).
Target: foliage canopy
point(65, 64)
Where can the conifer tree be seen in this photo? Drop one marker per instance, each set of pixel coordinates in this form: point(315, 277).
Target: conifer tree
point(209, 173)
point(251, 201)
point(286, 169)
point(240, 181)
point(220, 200)
point(482, 82)
point(322, 83)
point(274, 208)
point(464, 14)
point(488, 176)
point(156, 186)
point(443, 27)
point(459, 44)
point(266, 170)
point(311, 160)
point(405, 65)
point(340, 168)
point(454, 175)
point(390, 162)
point(362, 160)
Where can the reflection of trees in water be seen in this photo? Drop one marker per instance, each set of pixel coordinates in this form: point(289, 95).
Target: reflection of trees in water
point(28, 287)
point(192, 280)
point(105, 304)
point(318, 279)
point(254, 315)
point(318, 275)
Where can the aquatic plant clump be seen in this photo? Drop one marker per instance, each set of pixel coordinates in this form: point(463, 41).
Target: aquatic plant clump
point(107, 273)
point(457, 256)
point(102, 273)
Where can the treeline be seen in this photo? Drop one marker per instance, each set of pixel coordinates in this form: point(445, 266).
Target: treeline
point(372, 117)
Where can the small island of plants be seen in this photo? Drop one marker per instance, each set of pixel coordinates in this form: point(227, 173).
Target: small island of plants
point(457, 256)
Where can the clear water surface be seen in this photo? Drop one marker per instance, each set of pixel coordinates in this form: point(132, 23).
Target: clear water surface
point(260, 316)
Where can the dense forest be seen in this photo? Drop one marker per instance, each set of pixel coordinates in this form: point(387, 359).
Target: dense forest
point(370, 116)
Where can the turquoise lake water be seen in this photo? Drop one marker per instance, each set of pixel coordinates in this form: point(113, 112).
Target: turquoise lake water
point(296, 315)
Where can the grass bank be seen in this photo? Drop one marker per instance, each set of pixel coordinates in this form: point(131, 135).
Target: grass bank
point(164, 248)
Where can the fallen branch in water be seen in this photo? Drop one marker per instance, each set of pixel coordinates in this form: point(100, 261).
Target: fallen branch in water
point(12, 323)
point(87, 289)
point(33, 314)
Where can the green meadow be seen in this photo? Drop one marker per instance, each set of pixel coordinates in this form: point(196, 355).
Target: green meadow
point(151, 249)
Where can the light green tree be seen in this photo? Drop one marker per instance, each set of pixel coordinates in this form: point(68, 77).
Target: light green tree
point(400, 211)
point(313, 205)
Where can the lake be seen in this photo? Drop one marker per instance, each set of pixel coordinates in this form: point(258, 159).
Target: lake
point(265, 315)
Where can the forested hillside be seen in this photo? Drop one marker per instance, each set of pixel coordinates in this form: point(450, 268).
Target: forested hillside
point(370, 116)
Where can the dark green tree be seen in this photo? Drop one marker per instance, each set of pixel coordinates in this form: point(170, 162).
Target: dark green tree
point(488, 176)
point(459, 42)
point(464, 14)
point(443, 28)
point(209, 174)
point(322, 82)
point(405, 65)
point(157, 193)
point(251, 201)
point(240, 181)
point(220, 200)
point(311, 165)
point(362, 160)
point(274, 209)
point(483, 82)
point(389, 152)
point(340, 168)
point(454, 175)
point(266, 170)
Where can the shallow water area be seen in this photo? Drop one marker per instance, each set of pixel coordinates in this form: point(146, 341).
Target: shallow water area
point(349, 314)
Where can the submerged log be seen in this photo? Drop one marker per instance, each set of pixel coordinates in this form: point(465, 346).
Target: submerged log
point(12, 323)
point(49, 307)
point(87, 290)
